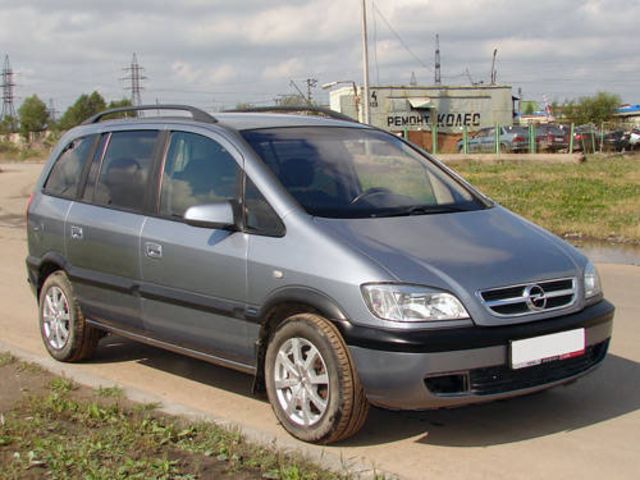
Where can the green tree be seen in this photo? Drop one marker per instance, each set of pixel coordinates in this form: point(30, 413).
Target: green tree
point(596, 109)
point(33, 115)
point(84, 107)
point(244, 106)
point(123, 102)
point(8, 125)
point(529, 107)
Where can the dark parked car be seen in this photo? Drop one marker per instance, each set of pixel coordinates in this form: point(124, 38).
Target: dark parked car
point(551, 138)
point(616, 141)
point(586, 138)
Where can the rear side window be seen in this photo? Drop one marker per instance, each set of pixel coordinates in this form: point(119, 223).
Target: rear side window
point(66, 173)
point(122, 181)
point(197, 171)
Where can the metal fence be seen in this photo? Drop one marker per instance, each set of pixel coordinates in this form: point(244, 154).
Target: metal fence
point(551, 138)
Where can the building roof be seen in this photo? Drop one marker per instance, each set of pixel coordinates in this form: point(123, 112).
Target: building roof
point(628, 110)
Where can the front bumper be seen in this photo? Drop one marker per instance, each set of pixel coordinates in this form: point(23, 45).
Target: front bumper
point(422, 370)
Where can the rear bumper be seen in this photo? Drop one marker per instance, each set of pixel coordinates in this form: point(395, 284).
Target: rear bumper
point(470, 372)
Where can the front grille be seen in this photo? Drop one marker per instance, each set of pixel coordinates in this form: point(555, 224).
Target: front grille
point(529, 298)
point(500, 379)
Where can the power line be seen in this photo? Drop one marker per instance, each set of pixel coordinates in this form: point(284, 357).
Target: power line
point(397, 35)
point(306, 99)
point(135, 77)
point(8, 109)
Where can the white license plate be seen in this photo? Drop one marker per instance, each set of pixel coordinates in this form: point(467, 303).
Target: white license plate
point(556, 346)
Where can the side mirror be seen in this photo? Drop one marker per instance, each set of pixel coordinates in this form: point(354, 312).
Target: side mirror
point(218, 215)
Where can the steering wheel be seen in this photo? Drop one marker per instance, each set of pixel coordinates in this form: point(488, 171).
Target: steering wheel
point(370, 192)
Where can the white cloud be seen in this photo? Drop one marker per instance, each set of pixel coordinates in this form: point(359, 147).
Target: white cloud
point(286, 69)
point(233, 51)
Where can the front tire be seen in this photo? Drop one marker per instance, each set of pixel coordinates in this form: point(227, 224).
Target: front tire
point(64, 330)
point(311, 382)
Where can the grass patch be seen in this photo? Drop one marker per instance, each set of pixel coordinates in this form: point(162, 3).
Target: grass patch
point(29, 367)
point(62, 385)
point(110, 392)
point(69, 432)
point(598, 199)
point(6, 359)
point(9, 151)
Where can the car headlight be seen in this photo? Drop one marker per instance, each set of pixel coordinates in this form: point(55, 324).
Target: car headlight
point(408, 303)
point(592, 286)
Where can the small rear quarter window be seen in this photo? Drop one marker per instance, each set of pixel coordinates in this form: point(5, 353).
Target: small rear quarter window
point(66, 173)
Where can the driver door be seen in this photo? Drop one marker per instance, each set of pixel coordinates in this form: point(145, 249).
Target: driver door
point(193, 278)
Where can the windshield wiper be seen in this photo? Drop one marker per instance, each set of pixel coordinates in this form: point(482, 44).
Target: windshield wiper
point(430, 209)
point(421, 210)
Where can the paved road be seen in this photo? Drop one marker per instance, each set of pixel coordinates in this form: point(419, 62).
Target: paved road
point(588, 430)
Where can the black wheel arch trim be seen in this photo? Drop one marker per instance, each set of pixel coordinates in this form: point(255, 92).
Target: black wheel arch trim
point(300, 295)
point(34, 267)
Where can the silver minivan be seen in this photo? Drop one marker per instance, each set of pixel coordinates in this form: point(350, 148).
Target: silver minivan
point(339, 265)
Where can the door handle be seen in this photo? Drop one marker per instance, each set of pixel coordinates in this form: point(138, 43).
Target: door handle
point(153, 250)
point(76, 233)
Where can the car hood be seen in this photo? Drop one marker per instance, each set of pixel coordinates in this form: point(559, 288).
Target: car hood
point(462, 252)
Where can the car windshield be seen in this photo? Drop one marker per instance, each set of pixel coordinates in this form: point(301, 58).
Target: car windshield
point(340, 172)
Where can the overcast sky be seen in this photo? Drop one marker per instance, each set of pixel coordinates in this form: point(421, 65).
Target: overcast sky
point(216, 53)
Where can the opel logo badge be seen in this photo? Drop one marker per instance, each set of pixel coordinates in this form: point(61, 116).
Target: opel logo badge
point(535, 297)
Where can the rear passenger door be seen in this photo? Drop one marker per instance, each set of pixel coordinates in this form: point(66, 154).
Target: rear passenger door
point(102, 232)
point(46, 227)
point(193, 278)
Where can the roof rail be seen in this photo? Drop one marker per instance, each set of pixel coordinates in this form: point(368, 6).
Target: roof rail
point(197, 114)
point(294, 109)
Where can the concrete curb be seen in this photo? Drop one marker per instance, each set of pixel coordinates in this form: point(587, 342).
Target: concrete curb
point(358, 468)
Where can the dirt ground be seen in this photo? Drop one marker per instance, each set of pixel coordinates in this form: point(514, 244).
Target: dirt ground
point(15, 383)
point(51, 427)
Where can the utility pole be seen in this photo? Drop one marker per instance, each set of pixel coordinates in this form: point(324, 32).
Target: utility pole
point(365, 64)
point(413, 81)
point(302, 95)
point(438, 78)
point(53, 113)
point(519, 100)
point(493, 67)
point(8, 110)
point(311, 83)
point(134, 75)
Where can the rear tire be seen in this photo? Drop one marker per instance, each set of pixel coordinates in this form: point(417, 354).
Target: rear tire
point(311, 382)
point(64, 330)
